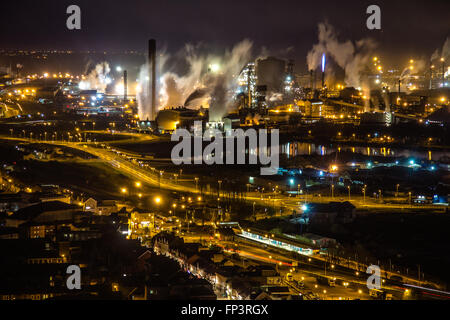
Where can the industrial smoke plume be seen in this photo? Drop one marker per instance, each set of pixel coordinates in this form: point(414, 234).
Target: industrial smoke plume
point(419, 66)
point(352, 57)
point(143, 92)
point(442, 53)
point(97, 78)
point(207, 82)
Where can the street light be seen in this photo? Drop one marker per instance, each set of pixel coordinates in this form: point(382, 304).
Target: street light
point(220, 185)
point(349, 198)
point(161, 172)
point(123, 191)
point(196, 183)
point(364, 193)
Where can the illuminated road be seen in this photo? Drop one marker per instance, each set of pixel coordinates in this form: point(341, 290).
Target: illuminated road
point(133, 170)
point(356, 290)
point(153, 178)
point(119, 163)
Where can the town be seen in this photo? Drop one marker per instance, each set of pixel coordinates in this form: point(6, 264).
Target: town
point(177, 160)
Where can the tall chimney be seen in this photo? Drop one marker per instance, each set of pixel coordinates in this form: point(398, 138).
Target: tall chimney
point(249, 91)
point(323, 80)
point(152, 75)
point(125, 85)
point(315, 80)
point(323, 70)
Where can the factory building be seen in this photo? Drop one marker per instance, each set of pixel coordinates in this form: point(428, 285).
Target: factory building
point(266, 81)
point(247, 85)
point(271, 72)
point(311, 108)
point(151, 63)
point(289, 81)
point(170, 119)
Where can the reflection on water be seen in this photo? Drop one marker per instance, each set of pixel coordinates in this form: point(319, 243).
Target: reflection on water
point(292, 149)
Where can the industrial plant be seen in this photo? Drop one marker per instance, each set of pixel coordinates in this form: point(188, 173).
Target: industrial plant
point(230, 151)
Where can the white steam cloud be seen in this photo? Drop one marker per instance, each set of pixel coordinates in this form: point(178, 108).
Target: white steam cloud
point(97, 78)
point(352, 57)
point(208, 81)
point(143, 92)
point(442, 53)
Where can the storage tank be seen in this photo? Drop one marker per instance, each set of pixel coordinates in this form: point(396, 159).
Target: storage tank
point(168, 119)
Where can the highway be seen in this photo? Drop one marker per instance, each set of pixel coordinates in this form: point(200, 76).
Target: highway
point(153, 178)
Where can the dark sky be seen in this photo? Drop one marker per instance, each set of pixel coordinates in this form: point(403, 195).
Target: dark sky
point(415, 28)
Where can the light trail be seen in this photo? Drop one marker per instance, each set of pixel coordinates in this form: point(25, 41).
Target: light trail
point(241, 252)
point(427, 289)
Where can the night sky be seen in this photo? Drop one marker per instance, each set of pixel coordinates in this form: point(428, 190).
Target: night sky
point(409, 27)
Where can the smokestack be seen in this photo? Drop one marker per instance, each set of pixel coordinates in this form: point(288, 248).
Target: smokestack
point(152, 75)
point(323, 70)
point(125, 85)
point(315, 79)
point(249, 88)
point(431, 78)
point(323, 79)
point(443, 71)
